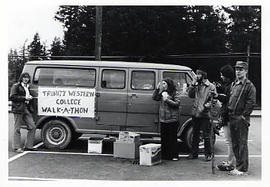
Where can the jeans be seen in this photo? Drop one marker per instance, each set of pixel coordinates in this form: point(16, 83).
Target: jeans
point(228, 141)
point(27, 119)
point(239, 134)
point(204, 125)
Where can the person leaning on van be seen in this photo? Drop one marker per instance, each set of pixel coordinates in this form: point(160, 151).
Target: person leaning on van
point(168, 117)
point(22, 108)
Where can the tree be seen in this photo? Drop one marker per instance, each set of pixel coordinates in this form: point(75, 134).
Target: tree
point(57, 48)
point(36, 49)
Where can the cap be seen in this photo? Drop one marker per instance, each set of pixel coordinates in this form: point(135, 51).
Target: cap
point(241, 64)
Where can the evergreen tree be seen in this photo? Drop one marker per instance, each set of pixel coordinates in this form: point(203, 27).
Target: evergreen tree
point(36, 49)
point(57, 48)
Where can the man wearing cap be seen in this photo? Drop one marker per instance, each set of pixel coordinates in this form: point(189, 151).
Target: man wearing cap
point(201, 90)
point(241, 102)
point(22, 109)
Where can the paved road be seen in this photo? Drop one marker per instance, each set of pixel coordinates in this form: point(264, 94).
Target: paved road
point(75, 163)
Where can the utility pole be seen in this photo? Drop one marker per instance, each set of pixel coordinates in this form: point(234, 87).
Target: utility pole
point(248, 52)
point(98, 32)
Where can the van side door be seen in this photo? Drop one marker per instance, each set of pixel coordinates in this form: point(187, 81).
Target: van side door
point(112, 99)
point(142, 109)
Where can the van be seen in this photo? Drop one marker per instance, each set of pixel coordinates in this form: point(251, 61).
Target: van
point(103, 97)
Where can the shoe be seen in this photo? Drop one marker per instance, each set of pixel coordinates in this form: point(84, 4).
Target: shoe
point(191, 156)
point(236, 172)
point(208, 158)
point(30, 149)
point(223, 167)
point(19, 150)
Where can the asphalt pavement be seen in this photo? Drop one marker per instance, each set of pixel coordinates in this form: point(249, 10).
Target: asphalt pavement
point(76, 163)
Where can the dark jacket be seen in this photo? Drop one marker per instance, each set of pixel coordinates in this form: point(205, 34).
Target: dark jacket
point(169, 109)
point(223, 96)
point(17, 96)
point(246, 103)
point(201, 92)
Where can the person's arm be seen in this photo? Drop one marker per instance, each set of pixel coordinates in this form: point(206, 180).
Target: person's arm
point(14, 95)
point(250, 101)
point(174, 103)
point(156, 95)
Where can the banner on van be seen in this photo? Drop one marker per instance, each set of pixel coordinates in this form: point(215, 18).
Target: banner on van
point(73, 102)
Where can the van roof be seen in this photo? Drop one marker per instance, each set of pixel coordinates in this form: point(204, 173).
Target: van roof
point(108, 63)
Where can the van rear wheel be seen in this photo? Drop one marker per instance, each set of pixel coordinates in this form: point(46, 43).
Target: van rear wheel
point(56, 134)
point(189, 137)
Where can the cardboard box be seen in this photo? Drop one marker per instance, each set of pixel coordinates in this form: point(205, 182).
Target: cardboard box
point(95, 145)
point(126, 136)
point(150, 154)
point(126, 149)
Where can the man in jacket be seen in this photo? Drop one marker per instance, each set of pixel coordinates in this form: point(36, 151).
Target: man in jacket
point(201, 90)
point(22, 109)
point(241, 103)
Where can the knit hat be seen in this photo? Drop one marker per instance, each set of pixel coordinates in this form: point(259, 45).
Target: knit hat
point(227, 71)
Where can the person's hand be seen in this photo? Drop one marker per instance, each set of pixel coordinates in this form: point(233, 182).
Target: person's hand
point(164, 96)
point(28, 98)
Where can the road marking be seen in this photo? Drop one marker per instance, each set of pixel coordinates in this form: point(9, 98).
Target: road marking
point(23, 153)
point(223, 140)
point(41, 179)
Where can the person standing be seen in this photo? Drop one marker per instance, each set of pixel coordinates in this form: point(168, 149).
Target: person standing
point(201, 89)
point(227, 76)
point(241, 103)
point(168, 117)
point(22, 109)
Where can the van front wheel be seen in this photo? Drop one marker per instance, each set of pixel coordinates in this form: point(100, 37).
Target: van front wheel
point(56, 134)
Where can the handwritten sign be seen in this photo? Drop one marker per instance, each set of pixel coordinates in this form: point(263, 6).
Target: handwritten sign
point(74, 102)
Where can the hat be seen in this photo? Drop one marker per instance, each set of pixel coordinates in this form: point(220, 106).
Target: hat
point(241, 64)
point(227, 71)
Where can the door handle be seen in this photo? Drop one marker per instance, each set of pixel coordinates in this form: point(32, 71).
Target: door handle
point(134, 95)
point(97, 94)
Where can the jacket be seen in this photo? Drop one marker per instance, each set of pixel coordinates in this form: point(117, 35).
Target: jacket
point(246, 102)
point(168, 109)
point(17, 96)
point(201, 92)
point(223, 96)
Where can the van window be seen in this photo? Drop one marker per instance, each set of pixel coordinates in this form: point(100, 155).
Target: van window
point(181, 80)
point(113, 79)
point(143, 80)
point(65, 77)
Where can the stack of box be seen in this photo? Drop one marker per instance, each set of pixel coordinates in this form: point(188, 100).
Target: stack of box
point(95, 145)
point(150, 154)
point(127, 145)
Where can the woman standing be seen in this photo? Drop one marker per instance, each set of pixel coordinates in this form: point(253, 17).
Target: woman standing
point(168, 118)
point(22, 109)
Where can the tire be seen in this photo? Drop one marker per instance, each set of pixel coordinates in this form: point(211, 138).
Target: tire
point(56, 134)
point(189, 136)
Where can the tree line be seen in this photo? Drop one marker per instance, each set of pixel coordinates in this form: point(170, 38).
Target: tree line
point(187, 35)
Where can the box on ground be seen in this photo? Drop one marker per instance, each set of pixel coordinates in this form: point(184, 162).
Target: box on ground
point(126, 136)
point(150, 154)
point(95, 145)
point(107, 145)
point(126, 149)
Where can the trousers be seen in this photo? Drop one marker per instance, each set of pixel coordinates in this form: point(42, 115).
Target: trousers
point(228, 142)
point(204, 125)
point(27, 119)
point(168, 133)
point(239, 134)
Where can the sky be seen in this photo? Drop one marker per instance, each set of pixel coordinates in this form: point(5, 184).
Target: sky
point(26, 20)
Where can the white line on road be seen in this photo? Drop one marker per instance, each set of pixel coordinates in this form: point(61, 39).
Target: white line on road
point(25, 152)
point(40, 179)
